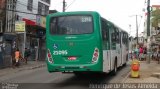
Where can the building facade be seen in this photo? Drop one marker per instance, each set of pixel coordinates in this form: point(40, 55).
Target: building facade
point(2, 15)
point(33, 13)
point(32, 9)
point(10, 15)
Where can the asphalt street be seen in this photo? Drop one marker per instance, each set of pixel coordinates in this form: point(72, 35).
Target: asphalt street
point(40, 78)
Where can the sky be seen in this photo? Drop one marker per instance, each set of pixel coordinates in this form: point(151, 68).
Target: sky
point(120, 12)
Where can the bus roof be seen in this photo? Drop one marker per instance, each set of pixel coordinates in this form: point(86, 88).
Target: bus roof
point(120, 29)
point(73, 13)
point(83, 12)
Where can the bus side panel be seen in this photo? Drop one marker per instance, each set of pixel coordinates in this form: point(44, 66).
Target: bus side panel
point(124, 53)
point(118, 51)
point(106, 61)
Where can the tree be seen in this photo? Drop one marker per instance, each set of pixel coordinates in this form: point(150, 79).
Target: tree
point(156, 18)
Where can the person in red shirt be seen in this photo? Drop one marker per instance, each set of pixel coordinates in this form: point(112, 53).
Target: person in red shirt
point(140, 53)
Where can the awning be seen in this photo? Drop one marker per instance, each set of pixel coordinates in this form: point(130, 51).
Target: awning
point(29, 22)
point(33, 24)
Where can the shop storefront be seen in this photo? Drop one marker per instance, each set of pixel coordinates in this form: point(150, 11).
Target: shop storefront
point(7, 46)
point(35, 40)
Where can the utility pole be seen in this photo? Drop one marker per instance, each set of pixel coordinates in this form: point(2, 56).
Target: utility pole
point(137, 29)
point(64, 5)
point(148, 29)
point(136, 26)
point(148, 18)
point(130, 29)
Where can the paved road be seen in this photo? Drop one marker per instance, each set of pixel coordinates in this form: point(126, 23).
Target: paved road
point(40, 79)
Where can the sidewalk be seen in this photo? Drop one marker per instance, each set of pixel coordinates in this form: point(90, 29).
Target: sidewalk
point(149, 73)
point(30, 65)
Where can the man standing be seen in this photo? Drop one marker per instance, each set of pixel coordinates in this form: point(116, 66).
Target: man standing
point(26, 55)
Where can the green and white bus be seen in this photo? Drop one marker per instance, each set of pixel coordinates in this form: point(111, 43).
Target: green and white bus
point(83, 41)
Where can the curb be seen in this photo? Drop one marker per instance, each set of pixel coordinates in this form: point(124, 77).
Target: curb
point(33, 67)
point(22, 69)
point(157, 75)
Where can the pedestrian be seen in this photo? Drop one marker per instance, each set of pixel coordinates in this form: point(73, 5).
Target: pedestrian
point(17, 58)
point(158, 56)
point(26, 55)
point(145, 53)
point(136, 51)
point(155, 54)
point(141, 53)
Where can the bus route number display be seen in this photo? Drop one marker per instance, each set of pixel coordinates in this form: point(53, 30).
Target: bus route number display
point(86, 19)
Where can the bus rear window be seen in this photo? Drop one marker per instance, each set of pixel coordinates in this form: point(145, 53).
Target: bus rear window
point(71, 25)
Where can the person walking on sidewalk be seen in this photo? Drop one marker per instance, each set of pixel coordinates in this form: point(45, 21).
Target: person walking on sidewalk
point(26, 55)
point(17, 58)
point(145, 53)
point(158, 56)
point(155, 55)
point(141, 53)
point(136, 52)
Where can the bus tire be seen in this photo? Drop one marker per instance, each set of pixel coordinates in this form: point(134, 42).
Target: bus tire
point(124, 64)
point(77, 74)
point(126, 61)
point(114, 72)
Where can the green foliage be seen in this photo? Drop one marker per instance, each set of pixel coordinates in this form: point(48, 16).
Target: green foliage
point(156, 17)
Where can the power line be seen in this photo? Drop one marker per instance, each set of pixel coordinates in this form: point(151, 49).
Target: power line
point(70, 4)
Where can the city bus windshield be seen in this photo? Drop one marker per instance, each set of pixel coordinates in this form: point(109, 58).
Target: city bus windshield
point(71, 25)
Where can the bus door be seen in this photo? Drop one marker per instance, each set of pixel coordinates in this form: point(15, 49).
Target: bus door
point(113, 44)
point(106, 48)
point(121, 48)
point(118, 47)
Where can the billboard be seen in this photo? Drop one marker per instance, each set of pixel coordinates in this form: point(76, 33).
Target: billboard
point(41, 21)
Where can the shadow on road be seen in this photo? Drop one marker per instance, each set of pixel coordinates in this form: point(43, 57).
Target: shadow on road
point(70, 81)
point(86, 80)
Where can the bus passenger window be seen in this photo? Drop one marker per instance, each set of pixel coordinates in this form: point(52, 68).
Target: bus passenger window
point(107, 36)
point(117, 36)
point(113, 37)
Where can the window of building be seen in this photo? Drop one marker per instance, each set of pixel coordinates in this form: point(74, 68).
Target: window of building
point(30, 5)
point(43, 9)
point(46, 10)
point(39, 7)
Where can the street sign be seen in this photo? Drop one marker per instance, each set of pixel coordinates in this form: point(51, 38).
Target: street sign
point(20, 26)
